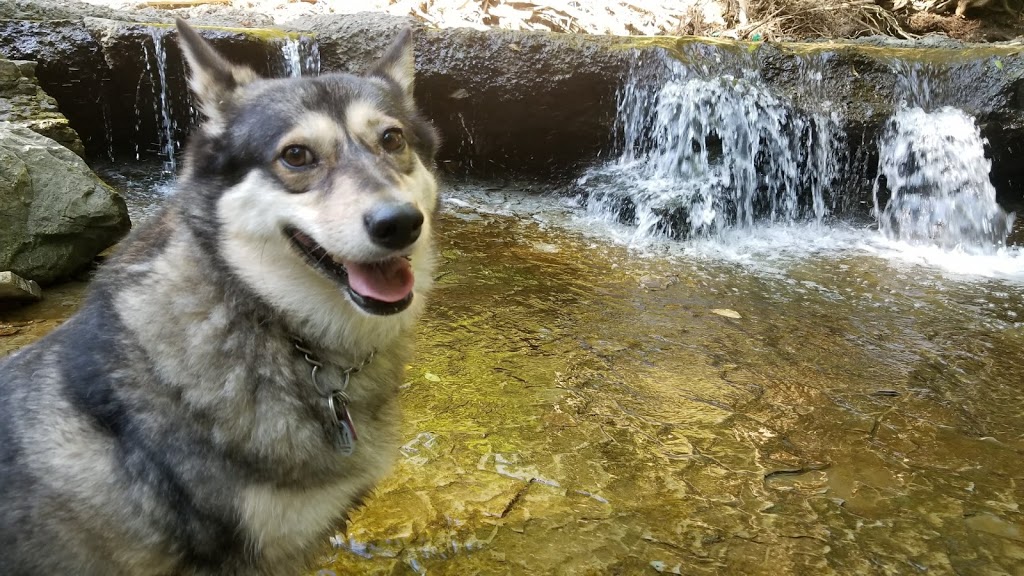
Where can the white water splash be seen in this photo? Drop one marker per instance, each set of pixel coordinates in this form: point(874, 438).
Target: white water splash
point(300, 58)
point(168, 144)
point(933, 167)
point(702, 155)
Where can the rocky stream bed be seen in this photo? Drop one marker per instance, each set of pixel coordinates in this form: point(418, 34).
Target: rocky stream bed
point(580, 406)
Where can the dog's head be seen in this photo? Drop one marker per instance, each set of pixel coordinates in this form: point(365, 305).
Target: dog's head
point(317, 192)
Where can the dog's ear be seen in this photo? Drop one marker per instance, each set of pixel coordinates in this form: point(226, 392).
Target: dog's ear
point(398, 65)
point(212, 79)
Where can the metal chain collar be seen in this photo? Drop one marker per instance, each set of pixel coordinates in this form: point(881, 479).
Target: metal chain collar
point(345, 436)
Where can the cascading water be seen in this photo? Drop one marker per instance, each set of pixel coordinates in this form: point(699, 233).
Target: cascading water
point(704, 153)
point(932, 166)
point(716, 153)
point(300, 57)
point(933, 185)
point(168, 143)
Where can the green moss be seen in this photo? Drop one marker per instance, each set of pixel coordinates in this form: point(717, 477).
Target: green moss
point(262, 34)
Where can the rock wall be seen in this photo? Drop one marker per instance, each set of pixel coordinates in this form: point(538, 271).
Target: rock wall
point(105, 74)
point(511, 103)
point(23, 102)
point(505, 102)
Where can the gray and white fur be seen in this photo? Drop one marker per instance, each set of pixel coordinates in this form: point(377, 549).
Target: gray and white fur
point(171, 425)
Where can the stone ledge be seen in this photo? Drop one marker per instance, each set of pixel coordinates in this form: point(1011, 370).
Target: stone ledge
point(23, 101)
point(14, 288)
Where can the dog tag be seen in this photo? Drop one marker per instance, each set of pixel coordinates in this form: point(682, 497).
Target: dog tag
point(346, 429)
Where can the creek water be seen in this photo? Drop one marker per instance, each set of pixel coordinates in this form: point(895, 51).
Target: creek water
point(785, 403)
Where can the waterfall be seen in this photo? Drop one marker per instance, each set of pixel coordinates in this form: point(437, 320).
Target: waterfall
point(932, 168)
point(301, 57)
point(168, 126)
point(933, 185)
point(702, 153)
point(708, 151)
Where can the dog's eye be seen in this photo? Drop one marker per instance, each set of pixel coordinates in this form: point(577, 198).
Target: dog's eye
point(392, 140)
point(297, 156)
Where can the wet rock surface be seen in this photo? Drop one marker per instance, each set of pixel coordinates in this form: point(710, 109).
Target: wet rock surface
point(504, 101)
point(120, 83)
point(70, 68)
point(149, 110)
point(57, 214)
point(14, 288)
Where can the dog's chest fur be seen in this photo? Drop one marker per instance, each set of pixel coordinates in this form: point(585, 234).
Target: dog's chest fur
point(171, 426)
point(245, 394)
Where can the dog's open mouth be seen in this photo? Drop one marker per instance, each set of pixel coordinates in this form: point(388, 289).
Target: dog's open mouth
point(382, 288)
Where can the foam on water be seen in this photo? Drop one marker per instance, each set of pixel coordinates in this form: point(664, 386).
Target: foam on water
point(716, 165)
point(766, 249)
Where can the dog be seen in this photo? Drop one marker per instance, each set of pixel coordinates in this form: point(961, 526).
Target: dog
point(228, 389)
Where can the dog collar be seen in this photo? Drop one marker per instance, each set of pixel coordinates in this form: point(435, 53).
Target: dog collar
point(337, 400)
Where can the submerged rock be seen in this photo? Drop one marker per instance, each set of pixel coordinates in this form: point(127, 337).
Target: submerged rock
point(57, 214)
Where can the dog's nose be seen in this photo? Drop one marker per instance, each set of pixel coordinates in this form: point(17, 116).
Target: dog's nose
point(394, 225)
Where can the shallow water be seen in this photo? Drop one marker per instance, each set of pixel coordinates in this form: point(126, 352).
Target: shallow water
point(806, 402)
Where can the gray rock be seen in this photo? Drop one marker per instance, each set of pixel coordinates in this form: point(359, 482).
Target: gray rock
point(57, 214)
point(71, 69)
point(15, 288)
point(505, 102)
point(23, 101)
point(48, 10)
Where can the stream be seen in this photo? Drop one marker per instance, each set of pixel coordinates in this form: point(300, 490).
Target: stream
point(793, 399)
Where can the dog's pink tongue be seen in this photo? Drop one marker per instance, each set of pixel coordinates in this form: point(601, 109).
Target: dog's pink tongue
point(389, 281)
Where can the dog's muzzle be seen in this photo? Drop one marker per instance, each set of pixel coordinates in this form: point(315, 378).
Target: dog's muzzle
point(383, 287)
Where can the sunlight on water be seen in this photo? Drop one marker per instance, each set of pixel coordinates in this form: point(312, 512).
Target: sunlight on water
point(790, 395)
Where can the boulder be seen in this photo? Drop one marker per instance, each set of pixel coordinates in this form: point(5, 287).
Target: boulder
point(57, 214)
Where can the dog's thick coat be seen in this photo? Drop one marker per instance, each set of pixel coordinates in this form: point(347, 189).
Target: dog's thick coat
point(171, 426)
